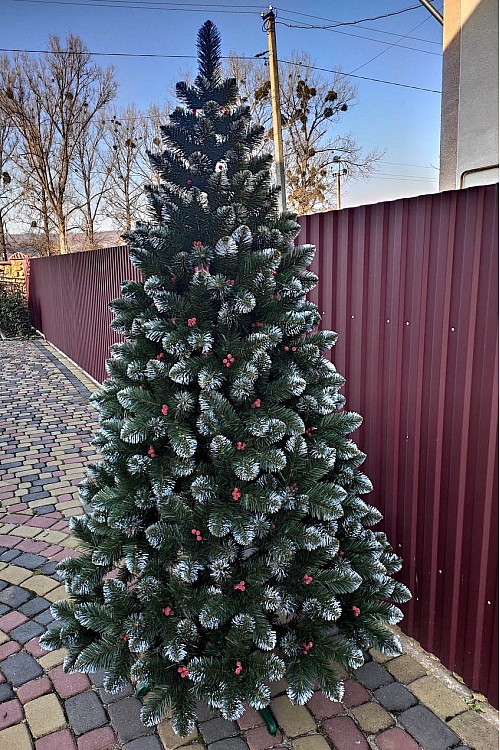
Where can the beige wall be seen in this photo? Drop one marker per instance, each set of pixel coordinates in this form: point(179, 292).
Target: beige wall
point(469, 110)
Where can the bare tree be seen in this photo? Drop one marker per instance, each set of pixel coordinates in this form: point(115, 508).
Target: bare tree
point(312, 107)
point(9, 185)
point(131, 135)
point(92, 175)
point(51, 100)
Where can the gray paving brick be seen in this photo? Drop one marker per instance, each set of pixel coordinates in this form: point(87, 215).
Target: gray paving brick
point(218, 729)
point(25, 632)
point(3, 585)
point(31, 562)
point(373, 676)
point(235, 743)
point(144, 743)
point(85, 712)
point(43, 509)
point(395, 697)
point(14, 596)
point(97, 678)
point(49, 568)
point(45, 618)
point(113, 697)
point(4, 609)
point(6, 692)
point(10, 555)
point(20, 668)
point(430, 732)
point(34, 606)
point(204, 712)
point(35, 495)
point(126, 721)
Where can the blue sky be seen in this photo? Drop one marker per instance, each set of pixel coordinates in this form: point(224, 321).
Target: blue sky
point(403, 122)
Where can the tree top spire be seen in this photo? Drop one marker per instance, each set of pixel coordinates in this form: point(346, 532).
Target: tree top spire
point(209, 52)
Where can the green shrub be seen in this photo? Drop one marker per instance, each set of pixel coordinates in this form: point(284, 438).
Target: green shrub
point(14, 312)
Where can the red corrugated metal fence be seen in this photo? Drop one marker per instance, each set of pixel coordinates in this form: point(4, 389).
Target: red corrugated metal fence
point(69, 297)
point(411, 286)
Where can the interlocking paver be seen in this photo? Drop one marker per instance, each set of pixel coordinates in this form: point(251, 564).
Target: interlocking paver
point(372, 718)
point(11, 621)
point(218, 729)
point(41, 585)
point(251, 718)
point(429, 731)
point(315, 742)
point(30, 561)
point(345, 734)
point(34, 606)
point(322, 707)
point(235, 743)
point(145, 743)
point(6, 692)
point(294, 720)
point(68, 685)
point(405, 669)
point(14, 596)
point(11, 713)
point(125, 719)
point(97, 739)
point(53, 658)
point(20, 668)
point(395, 739)
point(44, 715)
point(442, 701)
point(9, 648)
point(260, 739)
point(171, 740)
point(85, 712)
point(475, 730)
point(372, 675)
point(14, 574)
point(106, 697)
point(26, 632)
point(62, 740)
point(15, 737)
point(34, 689)
point(395, 697)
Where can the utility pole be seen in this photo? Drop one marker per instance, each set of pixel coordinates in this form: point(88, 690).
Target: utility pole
point(339, 173)
point(269, 20)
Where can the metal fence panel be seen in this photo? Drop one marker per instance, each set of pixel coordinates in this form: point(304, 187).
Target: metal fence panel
point(411, 286)
point(69, 297)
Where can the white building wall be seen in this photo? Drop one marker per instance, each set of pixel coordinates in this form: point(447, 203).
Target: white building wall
point(469, 126)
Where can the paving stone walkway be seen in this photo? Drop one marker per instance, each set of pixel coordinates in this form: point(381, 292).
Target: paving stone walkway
point(46, 423)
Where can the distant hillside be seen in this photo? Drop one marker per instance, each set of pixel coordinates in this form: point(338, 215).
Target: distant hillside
point(31, 244)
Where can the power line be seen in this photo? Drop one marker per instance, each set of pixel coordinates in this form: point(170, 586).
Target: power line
point(373, 18)
point(178, 7)
point(390, 46)
point(139, 6)
point(360, 36)
point(402, 176)
point(363, 78)
point(403, 164)
point(224, 57)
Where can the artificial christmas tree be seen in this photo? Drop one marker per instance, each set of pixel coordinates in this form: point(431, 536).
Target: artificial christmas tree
point(226, 543)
